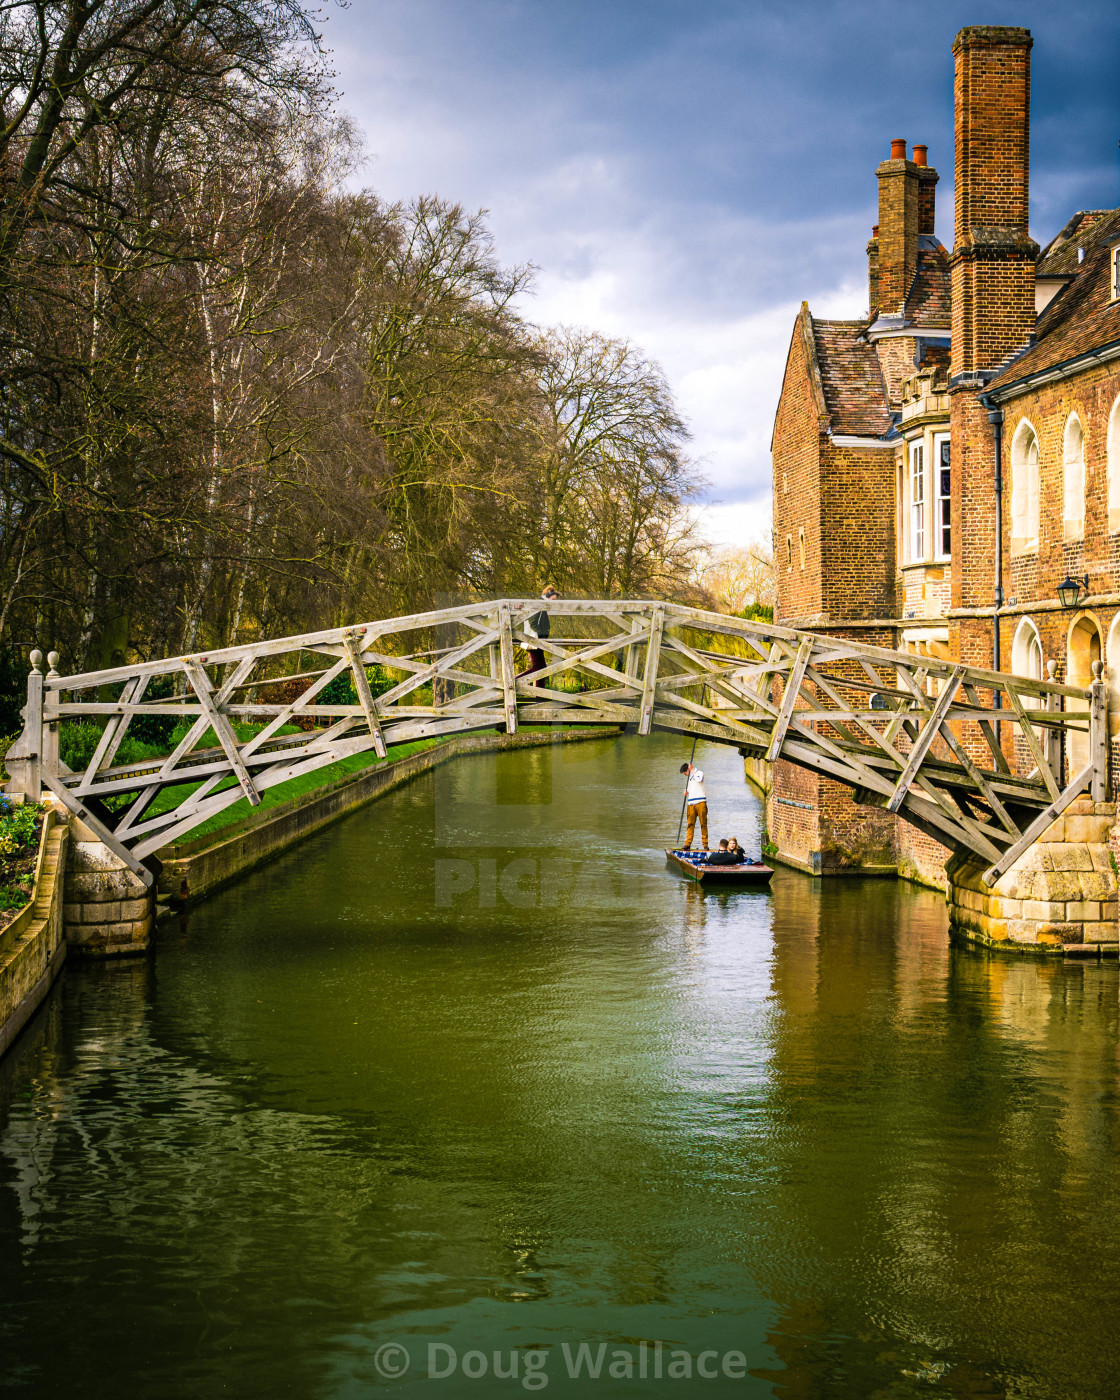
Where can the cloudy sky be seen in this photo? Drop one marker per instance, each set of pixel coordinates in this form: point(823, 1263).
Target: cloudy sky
point(686, 172)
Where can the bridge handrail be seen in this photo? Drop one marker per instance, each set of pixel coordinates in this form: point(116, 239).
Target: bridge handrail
point(784, 693)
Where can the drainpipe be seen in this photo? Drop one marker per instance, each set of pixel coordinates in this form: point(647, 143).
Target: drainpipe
point(995, 418)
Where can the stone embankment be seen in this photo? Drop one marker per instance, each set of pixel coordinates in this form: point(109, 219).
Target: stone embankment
point(1060, 892)
point(33, 946)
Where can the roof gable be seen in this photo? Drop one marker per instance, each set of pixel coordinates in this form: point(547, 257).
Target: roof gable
point(1083, 316)
point(855, 393)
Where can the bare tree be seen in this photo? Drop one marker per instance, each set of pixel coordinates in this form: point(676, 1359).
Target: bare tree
point(736, 577)
point(615, 480)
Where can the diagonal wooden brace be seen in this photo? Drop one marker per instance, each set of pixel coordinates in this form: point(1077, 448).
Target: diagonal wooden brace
point(1039, 825)
point(789, 698)
point(200, 684)
point(649, 682)
point(365, 697)
point(924, 742)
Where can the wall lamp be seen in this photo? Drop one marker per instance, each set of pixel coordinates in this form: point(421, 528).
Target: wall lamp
point(1069, 591)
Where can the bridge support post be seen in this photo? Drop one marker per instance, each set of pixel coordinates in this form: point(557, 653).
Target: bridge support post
point(24, 759)
point(1062, 890)
point(107, 910)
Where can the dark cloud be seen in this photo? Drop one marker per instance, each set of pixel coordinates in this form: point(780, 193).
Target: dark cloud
point(686, 173)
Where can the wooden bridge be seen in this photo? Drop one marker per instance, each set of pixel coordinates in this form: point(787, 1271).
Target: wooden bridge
point(981, 761)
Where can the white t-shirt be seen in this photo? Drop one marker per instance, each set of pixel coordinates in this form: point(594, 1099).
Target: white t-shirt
point(696, 791)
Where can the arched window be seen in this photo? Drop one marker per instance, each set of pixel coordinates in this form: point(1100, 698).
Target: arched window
point(1112, 662)
point(1024, 489)
point(1082, 649)
point(1026, 651)
point(1114, 468)
point(1073, 480)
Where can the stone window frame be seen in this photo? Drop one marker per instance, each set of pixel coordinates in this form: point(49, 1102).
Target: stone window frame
point(1112, 674)
point(942, 502)
point(1083, 628)
point(1027, 659)
point(1112, 452)
point(1025, 479)
point(801, 545)
point(1073, 477)
point(916, 532)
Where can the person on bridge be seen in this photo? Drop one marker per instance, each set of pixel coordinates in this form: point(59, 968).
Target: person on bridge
point(697, 799)
point(538, 626)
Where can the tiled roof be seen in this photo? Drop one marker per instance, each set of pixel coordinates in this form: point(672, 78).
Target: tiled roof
point(1060, 256)
point(927, 302)
point(1082, 316)
point(855, 394)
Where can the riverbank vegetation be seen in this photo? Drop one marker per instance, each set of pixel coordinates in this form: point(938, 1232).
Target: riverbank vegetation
point(19, 851)
point(244, 396)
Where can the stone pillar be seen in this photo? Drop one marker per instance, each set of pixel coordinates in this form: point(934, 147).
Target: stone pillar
point(108, 911)
point(1061, 891)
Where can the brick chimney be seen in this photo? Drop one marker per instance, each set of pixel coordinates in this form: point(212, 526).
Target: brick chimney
point(898, 229)
point(992, 265)
point(927, 186)
point(873, 270)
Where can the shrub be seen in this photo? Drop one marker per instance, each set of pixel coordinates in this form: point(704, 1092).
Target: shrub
point(757, 612)
point(155, 730)
point(19, 826)
point(342, 691)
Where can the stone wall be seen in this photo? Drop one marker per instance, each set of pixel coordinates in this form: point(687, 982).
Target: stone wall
point(32, 947)
point(1061, 891)
point(108, 910)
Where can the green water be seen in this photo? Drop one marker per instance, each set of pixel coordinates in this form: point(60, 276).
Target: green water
point(473, 1071)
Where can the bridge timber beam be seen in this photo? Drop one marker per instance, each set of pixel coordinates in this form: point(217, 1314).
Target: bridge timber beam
point(977, 759)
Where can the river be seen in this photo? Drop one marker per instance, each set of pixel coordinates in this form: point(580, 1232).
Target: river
point(471, 1080)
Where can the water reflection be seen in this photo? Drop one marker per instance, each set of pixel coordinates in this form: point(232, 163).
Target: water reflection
point(333, 1112)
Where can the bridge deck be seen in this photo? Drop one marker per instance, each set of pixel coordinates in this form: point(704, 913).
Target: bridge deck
point(982, 761)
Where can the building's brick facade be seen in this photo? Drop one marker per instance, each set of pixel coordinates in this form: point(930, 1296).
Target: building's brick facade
point(887, 433)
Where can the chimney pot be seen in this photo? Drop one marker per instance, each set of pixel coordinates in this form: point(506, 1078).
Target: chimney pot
point(874, 230)
point(920, 155)
point(898, 148)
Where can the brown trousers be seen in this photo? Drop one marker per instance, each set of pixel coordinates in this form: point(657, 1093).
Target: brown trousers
point(697, 809)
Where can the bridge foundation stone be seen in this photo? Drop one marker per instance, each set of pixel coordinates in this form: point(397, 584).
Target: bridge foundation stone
point(107, 910)
point(1062, 890)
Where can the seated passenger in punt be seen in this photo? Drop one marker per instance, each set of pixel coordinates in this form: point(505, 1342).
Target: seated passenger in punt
point(725, 856)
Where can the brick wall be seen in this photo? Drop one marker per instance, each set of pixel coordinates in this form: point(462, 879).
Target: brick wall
point(817, 824)
point(797, 484)
point(973, 508)
point(1091, 395)
point(857, 555)
point(896, 356)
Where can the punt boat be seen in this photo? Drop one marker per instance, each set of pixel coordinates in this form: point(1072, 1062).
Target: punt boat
point(691, 863)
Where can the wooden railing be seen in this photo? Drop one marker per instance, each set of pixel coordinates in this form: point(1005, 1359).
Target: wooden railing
point(981, 761)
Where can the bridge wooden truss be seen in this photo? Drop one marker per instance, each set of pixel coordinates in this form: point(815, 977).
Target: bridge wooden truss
point(981, 761)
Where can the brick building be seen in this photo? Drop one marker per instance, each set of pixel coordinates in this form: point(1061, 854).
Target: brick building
point(954, 455)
